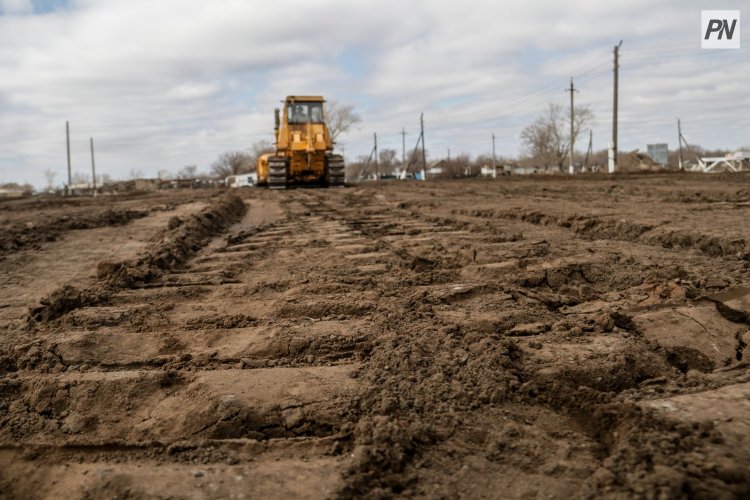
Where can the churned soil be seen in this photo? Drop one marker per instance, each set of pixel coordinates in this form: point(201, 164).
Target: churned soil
point(523, 337)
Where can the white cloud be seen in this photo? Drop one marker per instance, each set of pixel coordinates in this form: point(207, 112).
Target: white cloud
point(16, 7)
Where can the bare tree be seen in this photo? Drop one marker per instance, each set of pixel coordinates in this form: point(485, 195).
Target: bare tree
point(461, 165)
point(547, 140)
point(50, 175)
point(260, 148)
point(80, 178)
point(232, 163)
point(340, 118)
point(387, 160)
point(187, 172)
point(164, 174)
point(456, 167)
point(414, 162)
point(484, 159)
point(136, 173)
point(359, 167)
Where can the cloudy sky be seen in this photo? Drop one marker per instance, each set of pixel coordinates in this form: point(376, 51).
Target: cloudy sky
point(160, 84)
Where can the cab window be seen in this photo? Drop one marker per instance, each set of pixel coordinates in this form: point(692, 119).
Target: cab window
point(305, 112)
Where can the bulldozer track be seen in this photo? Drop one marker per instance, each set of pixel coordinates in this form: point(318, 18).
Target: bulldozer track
point(336, 170)
point(277, 173)
point(370, 340)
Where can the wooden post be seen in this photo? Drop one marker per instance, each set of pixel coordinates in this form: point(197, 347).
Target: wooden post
point(424, 155)
point(494, 161)
point(93, 164)
point(67, 140)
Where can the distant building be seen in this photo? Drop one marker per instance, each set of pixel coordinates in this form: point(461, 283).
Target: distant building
point(659, 153)
point(531, 169)
point(436, 169)
point(80, 189)
point(9, 193)
point(487, 171)
point(405, 174)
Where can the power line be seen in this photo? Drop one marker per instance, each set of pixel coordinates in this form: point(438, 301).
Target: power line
point(549, 88)
point(531, 101)
point(541, 94)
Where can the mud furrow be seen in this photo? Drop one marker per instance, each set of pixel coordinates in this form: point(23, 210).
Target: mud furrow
point(388, 341)
point(213, 363)
point(402, 432)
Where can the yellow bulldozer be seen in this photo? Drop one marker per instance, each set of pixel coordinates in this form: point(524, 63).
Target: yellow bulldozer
point(304, 149)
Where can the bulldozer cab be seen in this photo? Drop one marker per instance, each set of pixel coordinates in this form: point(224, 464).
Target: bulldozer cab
point(305, 112)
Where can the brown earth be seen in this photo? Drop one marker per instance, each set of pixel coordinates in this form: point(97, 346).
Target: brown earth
point(527, 337)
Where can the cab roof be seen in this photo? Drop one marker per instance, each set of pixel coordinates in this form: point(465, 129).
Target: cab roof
point(305, 98)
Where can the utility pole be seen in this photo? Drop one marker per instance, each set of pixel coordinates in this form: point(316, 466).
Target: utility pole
point(424, 155)
point(687, 146)
point(377, 171)
point(403, 148)
point(572, 89)
point(613, 146)
point(590, 150)
point(494, 161)
point(67, 140)
point(93, 165)
point(374, 151)
point(679, 141)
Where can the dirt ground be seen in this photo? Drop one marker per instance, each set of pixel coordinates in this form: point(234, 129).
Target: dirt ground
point(525, 337)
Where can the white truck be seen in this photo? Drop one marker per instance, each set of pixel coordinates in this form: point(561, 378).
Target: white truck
point(242, 180)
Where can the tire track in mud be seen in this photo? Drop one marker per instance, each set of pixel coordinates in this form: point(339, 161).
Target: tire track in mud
point(17, 236)
point(245, 356)
point(523, 372)
point(446, 335)
point(660, 235)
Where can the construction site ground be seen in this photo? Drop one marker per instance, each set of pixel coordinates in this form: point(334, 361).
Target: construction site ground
point(523, 337)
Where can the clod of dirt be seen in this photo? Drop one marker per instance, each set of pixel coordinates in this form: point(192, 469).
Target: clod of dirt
point(623, 321)
point(65, 299)
point(384, 448)
point(174, 222)
point(527, 329)
point(733, 304)
point(106, 268)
